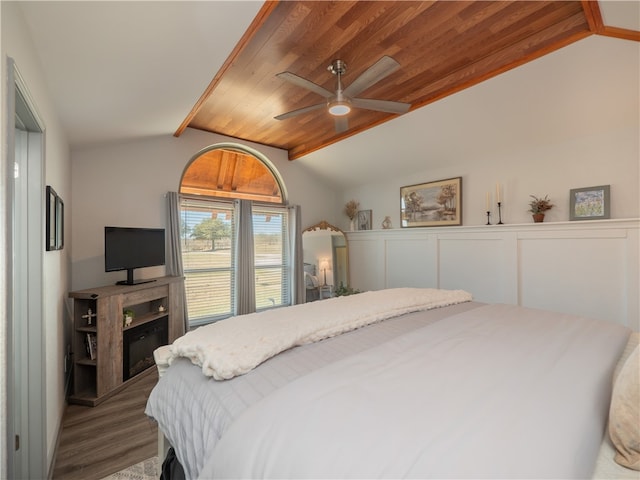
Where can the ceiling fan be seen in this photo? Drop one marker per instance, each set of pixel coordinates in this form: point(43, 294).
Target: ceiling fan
point(340, 102)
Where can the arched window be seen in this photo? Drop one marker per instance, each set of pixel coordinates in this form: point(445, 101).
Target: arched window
point(213, 179)
point(232, 171)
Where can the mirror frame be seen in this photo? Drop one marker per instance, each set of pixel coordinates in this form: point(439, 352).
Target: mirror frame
point(324, 225)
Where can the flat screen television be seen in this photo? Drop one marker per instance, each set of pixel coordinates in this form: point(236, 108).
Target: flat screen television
point(128, 248)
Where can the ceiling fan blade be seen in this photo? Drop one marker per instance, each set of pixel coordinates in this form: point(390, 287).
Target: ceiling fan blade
point(381, 105)
point(300, 111)
point(304, 83)
point(342, 124)
point(376, 72)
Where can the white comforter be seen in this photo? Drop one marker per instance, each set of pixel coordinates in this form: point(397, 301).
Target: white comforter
point(495, 392)
point(235, 346)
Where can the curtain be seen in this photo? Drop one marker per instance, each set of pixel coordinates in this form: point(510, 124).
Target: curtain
point(245, 280)
point(297, 274)
point(174, 265)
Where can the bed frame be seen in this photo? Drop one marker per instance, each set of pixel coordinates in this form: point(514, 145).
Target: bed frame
point(161, 357)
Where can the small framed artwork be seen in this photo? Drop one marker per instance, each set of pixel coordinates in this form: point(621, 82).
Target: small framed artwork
point(59, 223)
point(432, 204)
point(590, 203)
point(54, 221)
point(364, 220)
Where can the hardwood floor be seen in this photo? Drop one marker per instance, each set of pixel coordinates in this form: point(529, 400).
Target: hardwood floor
point(98, 441)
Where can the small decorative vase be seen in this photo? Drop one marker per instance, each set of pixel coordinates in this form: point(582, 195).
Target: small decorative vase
point(386, 223)
point(352, 225)
point(538, 217)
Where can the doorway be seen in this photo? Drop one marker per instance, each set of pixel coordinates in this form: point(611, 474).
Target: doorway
point(26, 415)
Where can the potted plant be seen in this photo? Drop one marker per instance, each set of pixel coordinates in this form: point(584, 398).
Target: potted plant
point(127, 317)
point(351, 210)
point(343, 291)
point(538, 206)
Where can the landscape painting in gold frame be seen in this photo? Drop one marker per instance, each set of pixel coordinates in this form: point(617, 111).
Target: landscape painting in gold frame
point(432, 204)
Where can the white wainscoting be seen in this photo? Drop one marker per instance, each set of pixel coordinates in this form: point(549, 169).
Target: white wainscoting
point(588, 268)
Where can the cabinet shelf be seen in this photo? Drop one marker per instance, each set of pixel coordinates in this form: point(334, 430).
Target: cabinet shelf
point(87, 362)
point(149, 317)
point(95, 380)
point(87, 329)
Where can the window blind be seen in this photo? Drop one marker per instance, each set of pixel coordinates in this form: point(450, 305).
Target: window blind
point(271, 245)
point(207, 232)
point(207, 235)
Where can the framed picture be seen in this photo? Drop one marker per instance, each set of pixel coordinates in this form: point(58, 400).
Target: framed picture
point(59, 223)
point(55, 221)
point(364, 220)
point(432, 204)
point(589, 203)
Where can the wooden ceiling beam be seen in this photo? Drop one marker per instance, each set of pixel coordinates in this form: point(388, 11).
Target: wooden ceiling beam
point(442, 47)
point(596, 24)
point(592, 13)
point(622, 33)
point(257, 22)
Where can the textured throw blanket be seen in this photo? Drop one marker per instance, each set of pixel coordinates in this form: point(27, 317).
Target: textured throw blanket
point(237, 345)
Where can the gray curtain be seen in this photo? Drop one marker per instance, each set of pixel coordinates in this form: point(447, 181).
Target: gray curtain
point(297, 273)
point(245, 280)
point(174, 251)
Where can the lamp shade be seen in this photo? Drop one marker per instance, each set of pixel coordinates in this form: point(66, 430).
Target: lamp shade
point(325, 264)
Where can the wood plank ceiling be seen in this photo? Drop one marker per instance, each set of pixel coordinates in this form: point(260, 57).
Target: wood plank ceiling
point(442, 47)
point(227, 173)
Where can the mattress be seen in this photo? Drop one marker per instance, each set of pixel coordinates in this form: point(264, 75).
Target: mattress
point(216, 427)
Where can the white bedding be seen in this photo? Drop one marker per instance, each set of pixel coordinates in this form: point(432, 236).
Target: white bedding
point(194, 411)
point(237, 345)
point(495, 392)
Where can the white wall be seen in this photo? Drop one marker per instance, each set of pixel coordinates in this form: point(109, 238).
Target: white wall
point(569, 119)
point(588, 268)
point(17, 44)
point(606, 158)
point(125, 184)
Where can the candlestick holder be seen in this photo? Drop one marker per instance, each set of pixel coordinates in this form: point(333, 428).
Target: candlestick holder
point(499, 214)
point(488, 217)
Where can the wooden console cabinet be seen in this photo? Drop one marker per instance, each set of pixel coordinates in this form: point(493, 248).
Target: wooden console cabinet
point(98, 328)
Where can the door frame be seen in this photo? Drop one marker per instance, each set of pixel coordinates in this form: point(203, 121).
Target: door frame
point(26, 382)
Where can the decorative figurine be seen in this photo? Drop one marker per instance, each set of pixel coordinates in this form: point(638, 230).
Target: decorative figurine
point(128, 316)
point(89, 316)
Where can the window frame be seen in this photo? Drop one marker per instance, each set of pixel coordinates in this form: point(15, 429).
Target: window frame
point(284, 266)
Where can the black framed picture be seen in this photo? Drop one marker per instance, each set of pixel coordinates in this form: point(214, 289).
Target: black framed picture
point(364, 219)
point(54, 228)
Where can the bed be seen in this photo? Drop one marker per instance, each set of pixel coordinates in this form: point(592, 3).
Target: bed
point(401, 388)
point(311, 283)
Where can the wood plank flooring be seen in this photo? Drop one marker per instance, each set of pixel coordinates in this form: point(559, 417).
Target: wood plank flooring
point(98, 441)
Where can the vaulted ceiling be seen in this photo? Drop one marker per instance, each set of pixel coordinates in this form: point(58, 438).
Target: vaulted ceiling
point(128, 71)
point(442, 47)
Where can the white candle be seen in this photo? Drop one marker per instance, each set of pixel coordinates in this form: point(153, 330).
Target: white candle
point(488, 201)
point(498, 192)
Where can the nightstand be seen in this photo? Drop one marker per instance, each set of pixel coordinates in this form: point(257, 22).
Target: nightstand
point(326, 291)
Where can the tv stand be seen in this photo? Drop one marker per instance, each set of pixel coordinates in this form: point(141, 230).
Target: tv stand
point(99, 332)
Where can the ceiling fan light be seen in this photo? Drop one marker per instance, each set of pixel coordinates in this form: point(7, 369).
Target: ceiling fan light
point(339, 109)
